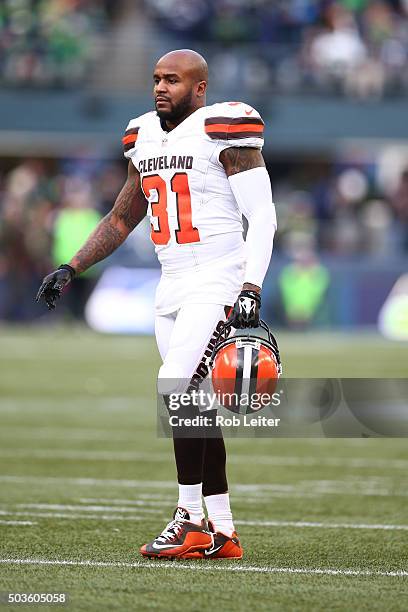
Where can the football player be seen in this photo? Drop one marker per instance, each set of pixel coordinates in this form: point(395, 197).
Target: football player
point(194, 170)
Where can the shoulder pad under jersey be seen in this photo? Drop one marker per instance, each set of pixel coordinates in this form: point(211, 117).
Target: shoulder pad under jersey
point(236, 123)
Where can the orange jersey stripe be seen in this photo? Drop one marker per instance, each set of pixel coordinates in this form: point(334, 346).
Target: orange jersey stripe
point(241, 127)
point(130, 138)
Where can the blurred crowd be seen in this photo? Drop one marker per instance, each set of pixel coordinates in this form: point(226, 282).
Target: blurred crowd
point(47, 210)
point(357, 48)
point(50, 42)
point(48, 207)
point(347, 211)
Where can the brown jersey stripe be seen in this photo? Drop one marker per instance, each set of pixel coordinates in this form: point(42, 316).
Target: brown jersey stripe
point(128, 146)
point(233, 121)
point(234, 135)
point(132, 131)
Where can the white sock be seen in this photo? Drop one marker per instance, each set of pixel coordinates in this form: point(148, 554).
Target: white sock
point(219, 513)
point(190, 498)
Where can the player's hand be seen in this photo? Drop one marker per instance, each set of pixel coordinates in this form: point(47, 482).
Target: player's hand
point(245, 312)
point(53, 284)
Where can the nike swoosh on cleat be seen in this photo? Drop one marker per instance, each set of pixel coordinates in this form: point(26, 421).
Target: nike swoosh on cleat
point(212, 550)
point(164, 546)
point(249, 112)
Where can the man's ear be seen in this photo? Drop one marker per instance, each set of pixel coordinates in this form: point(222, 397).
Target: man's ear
point(201, 89)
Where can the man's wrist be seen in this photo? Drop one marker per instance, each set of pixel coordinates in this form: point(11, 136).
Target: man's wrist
point(253, 295)
point(69, 268)
point(251, 287)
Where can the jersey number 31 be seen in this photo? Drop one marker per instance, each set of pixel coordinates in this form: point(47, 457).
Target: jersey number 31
point(185, 233)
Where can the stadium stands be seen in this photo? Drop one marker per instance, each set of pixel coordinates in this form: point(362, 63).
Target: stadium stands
point(52, 42)
point(350, 47)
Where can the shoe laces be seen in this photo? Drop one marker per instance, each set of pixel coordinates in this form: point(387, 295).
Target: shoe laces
point(171, 531)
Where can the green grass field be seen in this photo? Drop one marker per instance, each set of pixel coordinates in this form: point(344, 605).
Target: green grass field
point(84, 481)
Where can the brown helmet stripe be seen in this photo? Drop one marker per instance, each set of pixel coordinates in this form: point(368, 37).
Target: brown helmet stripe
point(239, 377)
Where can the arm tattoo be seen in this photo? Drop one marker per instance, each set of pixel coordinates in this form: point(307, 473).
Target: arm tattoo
point(129, 209)
point(101, 243)
point(239, 159)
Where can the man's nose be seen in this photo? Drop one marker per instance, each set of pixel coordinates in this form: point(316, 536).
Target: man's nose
point(161, 86)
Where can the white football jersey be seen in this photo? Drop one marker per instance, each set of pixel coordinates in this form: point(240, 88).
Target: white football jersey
point(195, 220)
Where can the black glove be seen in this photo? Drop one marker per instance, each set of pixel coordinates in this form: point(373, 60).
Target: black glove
point(246, 310)
point(53, 284)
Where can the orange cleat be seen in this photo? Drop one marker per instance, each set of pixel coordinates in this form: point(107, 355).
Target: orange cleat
point(224, 547)
point(179, 537)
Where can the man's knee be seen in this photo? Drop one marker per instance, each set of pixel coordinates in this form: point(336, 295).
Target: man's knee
point(172, 378)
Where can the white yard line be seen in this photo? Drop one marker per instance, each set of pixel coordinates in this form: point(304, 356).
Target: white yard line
point(301, 524)
point(159, 457)
point(74, 455)
point(316, 488)
point(204, 566)
point(266, 491)
point(154, 500)
point(74, 517)
point(93, 508)
point(71, 512)
point(94, 402)
point(29, 523)
point(344, 462)
point(142, 500)
point(171, 500)
point(65, 433)
point(90, 482)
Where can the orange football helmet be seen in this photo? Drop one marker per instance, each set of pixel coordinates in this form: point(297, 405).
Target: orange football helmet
point(244, 364)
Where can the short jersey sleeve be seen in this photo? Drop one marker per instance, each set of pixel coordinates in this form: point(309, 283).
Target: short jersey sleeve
point(234, 124)
point(129, 139)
